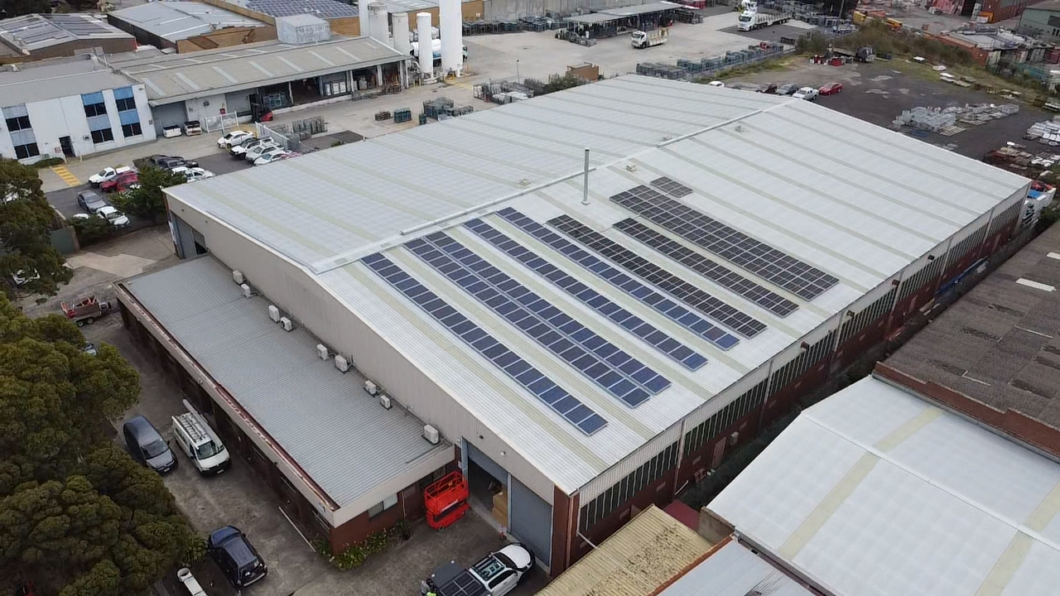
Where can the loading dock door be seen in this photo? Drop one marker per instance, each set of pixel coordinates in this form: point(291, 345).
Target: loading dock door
point(531, 521)
point(491, 467)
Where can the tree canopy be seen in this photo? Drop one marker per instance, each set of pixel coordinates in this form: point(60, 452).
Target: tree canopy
point(77, 516)
point(25, 220)
point(148, 200)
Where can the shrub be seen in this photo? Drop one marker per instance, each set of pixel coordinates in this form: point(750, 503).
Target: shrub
point(91, 230)
point(48, 162)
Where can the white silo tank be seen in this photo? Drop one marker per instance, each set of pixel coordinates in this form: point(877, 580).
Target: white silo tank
point(402, 37)
point(378, 23)
point(423, 29)
point(451, 26)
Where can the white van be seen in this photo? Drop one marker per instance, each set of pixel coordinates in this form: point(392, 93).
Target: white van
point(198, 441)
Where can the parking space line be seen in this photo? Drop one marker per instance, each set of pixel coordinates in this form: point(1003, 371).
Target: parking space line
point(65, 174)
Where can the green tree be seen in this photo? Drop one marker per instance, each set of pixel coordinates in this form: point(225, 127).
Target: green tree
point(148, 200)
point(92, 229)
point(25, 220)
point(77, 516)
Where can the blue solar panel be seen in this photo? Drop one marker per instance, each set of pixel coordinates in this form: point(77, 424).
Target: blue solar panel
point(632, 381)
point(627, 320)
point(674, 312)
point(511, 363)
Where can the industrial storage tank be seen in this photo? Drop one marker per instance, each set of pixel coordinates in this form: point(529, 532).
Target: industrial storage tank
point(451, 24)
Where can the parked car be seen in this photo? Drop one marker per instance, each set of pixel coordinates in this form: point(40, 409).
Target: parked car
point(270, 156)
point(193, 174)
point(234, 138)
point(495, 575)
point(108, 174)
point(90, 201)
point(236, 557)
point(119, 181)
point(168, 162)
point(146, 445)
point(113, 216)
point(22, 278)
point(831, 88)
point(90, 349)
point(257, 150)
point(770, 89)
point(241, 149)
point(198, 441)
point(787, 89)
point(807, 93)
point(716, 84)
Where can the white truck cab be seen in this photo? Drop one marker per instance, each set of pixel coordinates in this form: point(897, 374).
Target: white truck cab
point(199, 443)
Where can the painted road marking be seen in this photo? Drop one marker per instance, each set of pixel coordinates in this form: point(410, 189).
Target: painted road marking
point(67, 177)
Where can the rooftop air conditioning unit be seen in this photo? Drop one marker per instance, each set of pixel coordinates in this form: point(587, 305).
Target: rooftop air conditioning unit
point(371, 388)
point(247, 293)
point(286, 324)
point(384, 400)
point(734, 438)
point(274, 313)
point(341, 363)
point(322, 351)
point(237, 276)
point(431, 434)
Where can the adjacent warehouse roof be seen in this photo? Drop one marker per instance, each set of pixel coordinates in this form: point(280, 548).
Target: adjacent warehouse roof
point(212, 72)
point(643, 555)
point(325, 9)
point(734, 570)
point(174, 21)
point(346, 442)
point(998, 343)
point(41, 82)
point(836, 198)
point(876, 492)
point(33, 32)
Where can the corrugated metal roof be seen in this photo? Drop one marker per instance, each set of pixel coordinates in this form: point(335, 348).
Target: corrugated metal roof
point(998, 343)
point(646, 553)
point(853, 200)
point(34, 31)
point(875, 492)
point(41, 82)
point(180, 20)
point(178, 77)
point(733, 570)
point(346, 443)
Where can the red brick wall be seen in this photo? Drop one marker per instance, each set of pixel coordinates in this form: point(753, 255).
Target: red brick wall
point(854, 347)
point(1010, 422)
point(700, 459)
point(562, 529)
point(358, 528)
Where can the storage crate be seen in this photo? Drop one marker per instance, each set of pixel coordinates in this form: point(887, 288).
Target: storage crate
point(402, 115)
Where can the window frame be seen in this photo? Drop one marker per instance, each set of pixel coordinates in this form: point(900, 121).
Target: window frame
point(17, 126)
point(95, 109)
point(103, 132)
point(139, 130)
point(28, 154)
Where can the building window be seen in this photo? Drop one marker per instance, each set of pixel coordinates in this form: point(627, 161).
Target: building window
point(95, 109)
point(379, 508)
point(131, 130)
point(18, 123)
point(102, 135)
point(27, 150)
point(124, 104)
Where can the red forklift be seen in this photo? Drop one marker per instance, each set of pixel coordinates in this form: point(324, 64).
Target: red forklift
point(446, 500)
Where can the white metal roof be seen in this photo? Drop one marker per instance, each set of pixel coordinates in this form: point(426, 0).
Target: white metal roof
point(180, 20)
point(33, 32)
point(733, 570)
point(345, 441)
point(854, 200)
point(178, 77)
point(39, 82)
point(874, 492)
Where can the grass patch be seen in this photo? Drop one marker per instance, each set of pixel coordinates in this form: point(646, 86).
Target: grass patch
point(776, 64)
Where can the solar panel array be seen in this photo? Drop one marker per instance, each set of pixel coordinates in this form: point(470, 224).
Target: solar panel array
point(757, 257)
point(671, 187)
point(705, 303)
point(712, 270)
point(590, 297)
point(615, 371)
point(511, 363)
point(324, 9)
point(657, 301)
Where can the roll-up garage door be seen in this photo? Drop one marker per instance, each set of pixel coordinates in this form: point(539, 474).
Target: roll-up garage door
point(491, 467)
point(530, 520)
point(171, 114)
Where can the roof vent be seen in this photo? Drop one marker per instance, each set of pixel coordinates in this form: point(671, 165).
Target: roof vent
point(322, 351)
point(384, 400)
point(631, 167)
point(237, 276)
point(287, 324)
point(274, 313)
point(431, 434)
point(371, 388)
point(341, 363)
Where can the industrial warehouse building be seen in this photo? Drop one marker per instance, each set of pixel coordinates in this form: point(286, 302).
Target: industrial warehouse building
point(876, 491)
point(70, 109)
point(32, 37)
point(189, 26)
point(587, 354)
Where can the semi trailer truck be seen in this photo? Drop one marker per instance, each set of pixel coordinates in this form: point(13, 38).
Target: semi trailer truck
point(647, 39)
point(759, 18)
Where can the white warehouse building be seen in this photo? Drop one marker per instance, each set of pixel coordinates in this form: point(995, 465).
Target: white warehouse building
point(585, 353)
point(70, 109)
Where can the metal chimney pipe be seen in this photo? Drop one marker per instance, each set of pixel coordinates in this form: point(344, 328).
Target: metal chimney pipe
point(585, 181)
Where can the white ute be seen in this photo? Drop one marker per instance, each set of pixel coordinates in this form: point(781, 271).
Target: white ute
point(199, 443)
point(807, 93)
point(107, 174)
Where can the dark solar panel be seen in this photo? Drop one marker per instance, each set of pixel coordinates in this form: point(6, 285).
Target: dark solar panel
point(705, 303)
point(562, 402)
point(464, 585)
point(757, 257)
point(615, 371)
point(674, 312)
point(591, 298)
point(716, 272)
point(324, 9)
point(671, 187)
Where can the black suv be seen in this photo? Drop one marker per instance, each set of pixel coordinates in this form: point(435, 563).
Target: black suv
point(236, 557)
